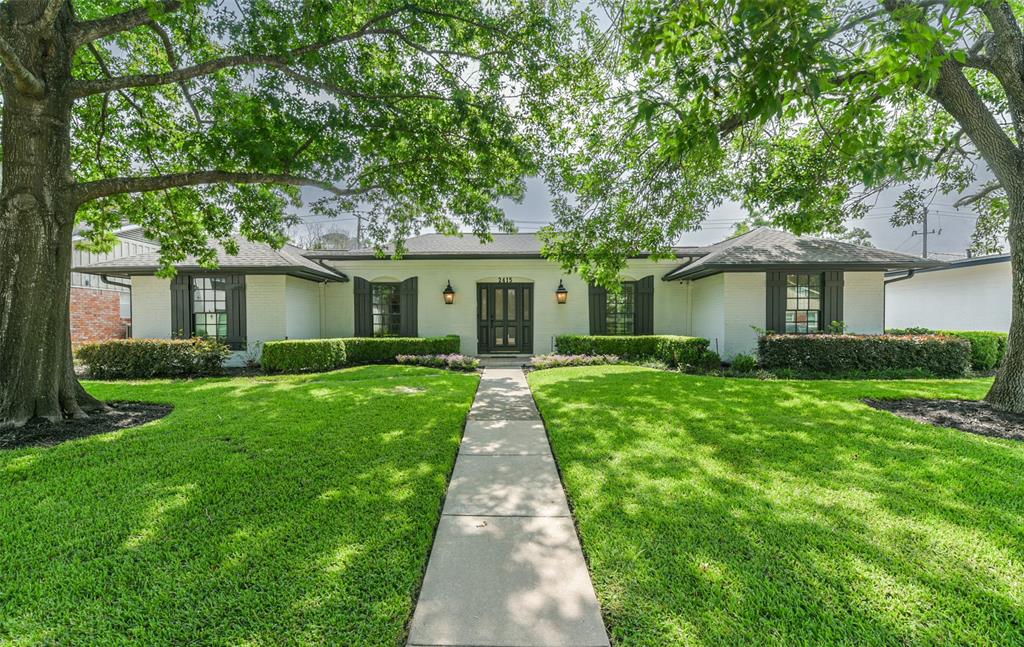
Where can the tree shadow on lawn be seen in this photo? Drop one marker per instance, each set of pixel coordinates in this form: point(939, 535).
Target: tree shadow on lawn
point(734, 511)
point(290, 510)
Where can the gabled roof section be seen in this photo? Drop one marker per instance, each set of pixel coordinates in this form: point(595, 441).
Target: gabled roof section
point(465, 246)
point(252, 258)
point(128, 232)
point(764, 249)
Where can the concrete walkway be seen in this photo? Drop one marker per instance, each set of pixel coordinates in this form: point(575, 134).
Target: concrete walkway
point(506, 567)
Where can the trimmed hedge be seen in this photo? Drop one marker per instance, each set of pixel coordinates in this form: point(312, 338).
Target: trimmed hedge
point(293, 355)
point(987, 347)
point(296, 355)
point(674, 350)
point(938, 355)
point(383, 350)
point(146, 358)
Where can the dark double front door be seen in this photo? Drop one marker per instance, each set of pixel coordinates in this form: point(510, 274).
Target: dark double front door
point(504, 314)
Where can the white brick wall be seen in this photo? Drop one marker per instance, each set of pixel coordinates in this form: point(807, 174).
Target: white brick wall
point(151, 307)
point(302, 315)
point(265, 307)
point(707, 301)
point(745, 304)
point(863, 302)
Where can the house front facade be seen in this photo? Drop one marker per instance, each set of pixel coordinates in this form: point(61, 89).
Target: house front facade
point(503, 297)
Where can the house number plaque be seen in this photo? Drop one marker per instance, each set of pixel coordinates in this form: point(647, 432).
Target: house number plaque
point(504, 279)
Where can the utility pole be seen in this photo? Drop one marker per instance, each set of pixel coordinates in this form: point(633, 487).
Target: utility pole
point(924, 234)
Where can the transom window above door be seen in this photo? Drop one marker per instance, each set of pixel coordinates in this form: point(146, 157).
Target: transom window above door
point(386, 306)
point(803, 303)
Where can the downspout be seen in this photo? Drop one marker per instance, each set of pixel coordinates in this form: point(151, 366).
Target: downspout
point(104, 279)
point(885, 297)
point(128, 286)
point(910, 275)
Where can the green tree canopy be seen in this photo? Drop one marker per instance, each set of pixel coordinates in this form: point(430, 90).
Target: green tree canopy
point(801, 110)
point(196, 118)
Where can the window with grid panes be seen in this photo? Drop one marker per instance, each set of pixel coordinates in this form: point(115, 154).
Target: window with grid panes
point(620, 312)
point(803, 303)
point(386, 309)
point(209, 308)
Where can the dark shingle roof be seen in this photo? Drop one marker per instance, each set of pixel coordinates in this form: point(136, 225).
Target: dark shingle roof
point(767, 248)
point(253, 258)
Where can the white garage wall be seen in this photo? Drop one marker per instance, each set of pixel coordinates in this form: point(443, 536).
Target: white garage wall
point(975, 297)
point(550, 318)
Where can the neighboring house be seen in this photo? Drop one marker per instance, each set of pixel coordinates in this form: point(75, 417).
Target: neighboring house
point(969, 294)
point(506, 295)
point(102, 310)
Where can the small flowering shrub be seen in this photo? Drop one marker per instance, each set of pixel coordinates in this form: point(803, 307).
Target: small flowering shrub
point(454, 361)
point(541, 362)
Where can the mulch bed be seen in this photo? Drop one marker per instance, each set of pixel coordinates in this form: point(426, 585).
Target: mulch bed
point(972, 416)
point(122, 415)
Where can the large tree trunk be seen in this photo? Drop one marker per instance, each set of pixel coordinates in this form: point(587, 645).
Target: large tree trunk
point(36, 220)
point(1007, 391)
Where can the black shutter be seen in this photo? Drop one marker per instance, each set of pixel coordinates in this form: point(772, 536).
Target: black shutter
point(407, 307)
point(181, 307)
point(362, 307)
point(832, 299)
point(235, 288)
point(644, 322)
point(775, 308)
point(598, 310)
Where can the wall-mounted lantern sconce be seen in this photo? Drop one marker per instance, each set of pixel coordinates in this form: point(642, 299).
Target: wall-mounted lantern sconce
point(561, 294)
point(449, 294)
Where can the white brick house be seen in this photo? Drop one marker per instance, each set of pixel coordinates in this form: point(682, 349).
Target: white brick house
point(504, 295)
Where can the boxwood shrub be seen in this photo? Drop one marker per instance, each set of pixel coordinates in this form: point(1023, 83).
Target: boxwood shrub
point(987, 347)
point(938, 355)
point(296, 355)
point(146, 358)
point(383, 350)
point(674, 350)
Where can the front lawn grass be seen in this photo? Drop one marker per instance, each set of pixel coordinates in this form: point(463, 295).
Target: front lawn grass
point(738, 512)
point(288, 510)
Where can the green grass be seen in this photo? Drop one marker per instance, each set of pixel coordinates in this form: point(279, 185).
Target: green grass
point(289, 510)
point(725, 511)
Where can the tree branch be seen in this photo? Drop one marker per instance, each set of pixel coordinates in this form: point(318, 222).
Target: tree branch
point(90, 30)
point(24, 80)
point(94, 190)
point(48, 17)
point(987, 190)
point(1006, 53)
point(84, 88)
point(172, 62)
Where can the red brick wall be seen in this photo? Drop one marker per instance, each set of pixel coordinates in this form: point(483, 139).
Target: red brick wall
point(95, 316)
